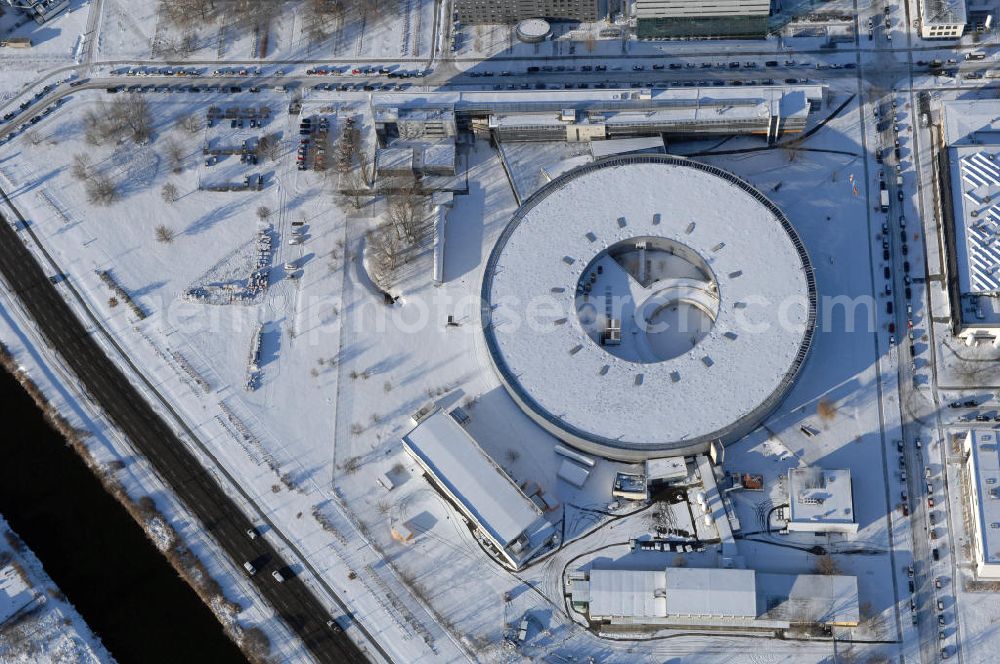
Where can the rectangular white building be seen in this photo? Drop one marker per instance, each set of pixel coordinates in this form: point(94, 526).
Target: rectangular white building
point(491, 501)
point(820, 501)
point(983, 466)
point(942, 19)
point(714, 597)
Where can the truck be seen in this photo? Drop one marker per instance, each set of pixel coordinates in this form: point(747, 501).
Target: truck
point(883, 197)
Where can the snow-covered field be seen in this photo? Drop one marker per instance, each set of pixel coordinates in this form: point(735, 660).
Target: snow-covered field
point(341, 373)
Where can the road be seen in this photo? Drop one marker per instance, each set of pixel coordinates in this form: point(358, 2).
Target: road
point(152, 437)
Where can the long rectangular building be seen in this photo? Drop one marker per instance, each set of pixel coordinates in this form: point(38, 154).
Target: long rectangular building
point(712, 597)
point(499, 12)
point(983, 467)
point(706, 19)
point(587, 115)
point(969, 185)
point(495, 506)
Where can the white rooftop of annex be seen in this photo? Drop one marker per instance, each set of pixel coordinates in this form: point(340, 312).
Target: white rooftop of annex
point(805, 598)
point(820, 500)
point(680, 591)
point(481, 487)
point(984, 464)
point(723, 385)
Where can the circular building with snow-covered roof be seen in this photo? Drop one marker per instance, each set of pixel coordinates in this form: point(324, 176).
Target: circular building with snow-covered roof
point(648, 305)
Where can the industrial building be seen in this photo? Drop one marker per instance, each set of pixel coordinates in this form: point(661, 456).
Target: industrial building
point(820, 501)
point(942, 19)
point(983, 467)
point(702, 19)
point(712, 598)
point(39, 10)
point(676, 369)
point(969, 187)
point(501, 12)
point(593, 115)
point(508, 520)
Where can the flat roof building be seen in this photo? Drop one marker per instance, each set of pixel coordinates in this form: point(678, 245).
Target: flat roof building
point(713, 597)
point(589, 115)
point(983, 466)
point(706, 19)
point(500, 12)
point(942, 19)
point(40, 10)
point(810, 598)
point(820, 501)
point(494, 505)
point(969, 181)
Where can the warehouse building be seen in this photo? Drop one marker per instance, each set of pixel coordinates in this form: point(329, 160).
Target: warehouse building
point(712, 598)
point(820, 501)
point(969, 186)
point(512, 525)
point(500, 12)
point(983, 467)
point(702, 19)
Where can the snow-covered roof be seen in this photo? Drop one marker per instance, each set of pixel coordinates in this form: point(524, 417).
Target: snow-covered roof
point(395, 159)
point(810, 598)
point(484, 490)
point(727, 593)
point(943, 12)
point(972, 131)
point(985, 463)
point(785, 100)
point(439, 155)
point(669, 468)
point(615, 146)
point(729, 380)
point(820, 496)
point(628, 593)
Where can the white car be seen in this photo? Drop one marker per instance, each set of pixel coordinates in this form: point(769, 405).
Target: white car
point(277, 576)
point(248, 566)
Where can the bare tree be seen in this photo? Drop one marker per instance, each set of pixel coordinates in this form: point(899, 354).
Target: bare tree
point(269, 146)
point(127, 117)
point(385, 253)
point(826, 565)
point(169, 192)
point(356, 187)
point(191, 124)
point(317, 16)
point(366, 167)
point(164, 234)
point(81, 166)
point(263, 212)
point(101, 190)
point(404, 207)
point(175, 155)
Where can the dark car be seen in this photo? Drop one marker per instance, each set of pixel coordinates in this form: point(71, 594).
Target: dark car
point(899, 195)
point(906, 266)
point(905, 249)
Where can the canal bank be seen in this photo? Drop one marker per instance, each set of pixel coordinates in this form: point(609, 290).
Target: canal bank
point(94, 550)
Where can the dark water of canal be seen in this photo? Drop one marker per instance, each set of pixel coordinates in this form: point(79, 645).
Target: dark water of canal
point(94, 551)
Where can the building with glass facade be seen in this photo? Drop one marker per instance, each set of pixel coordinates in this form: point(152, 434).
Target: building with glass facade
point(708, 19)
